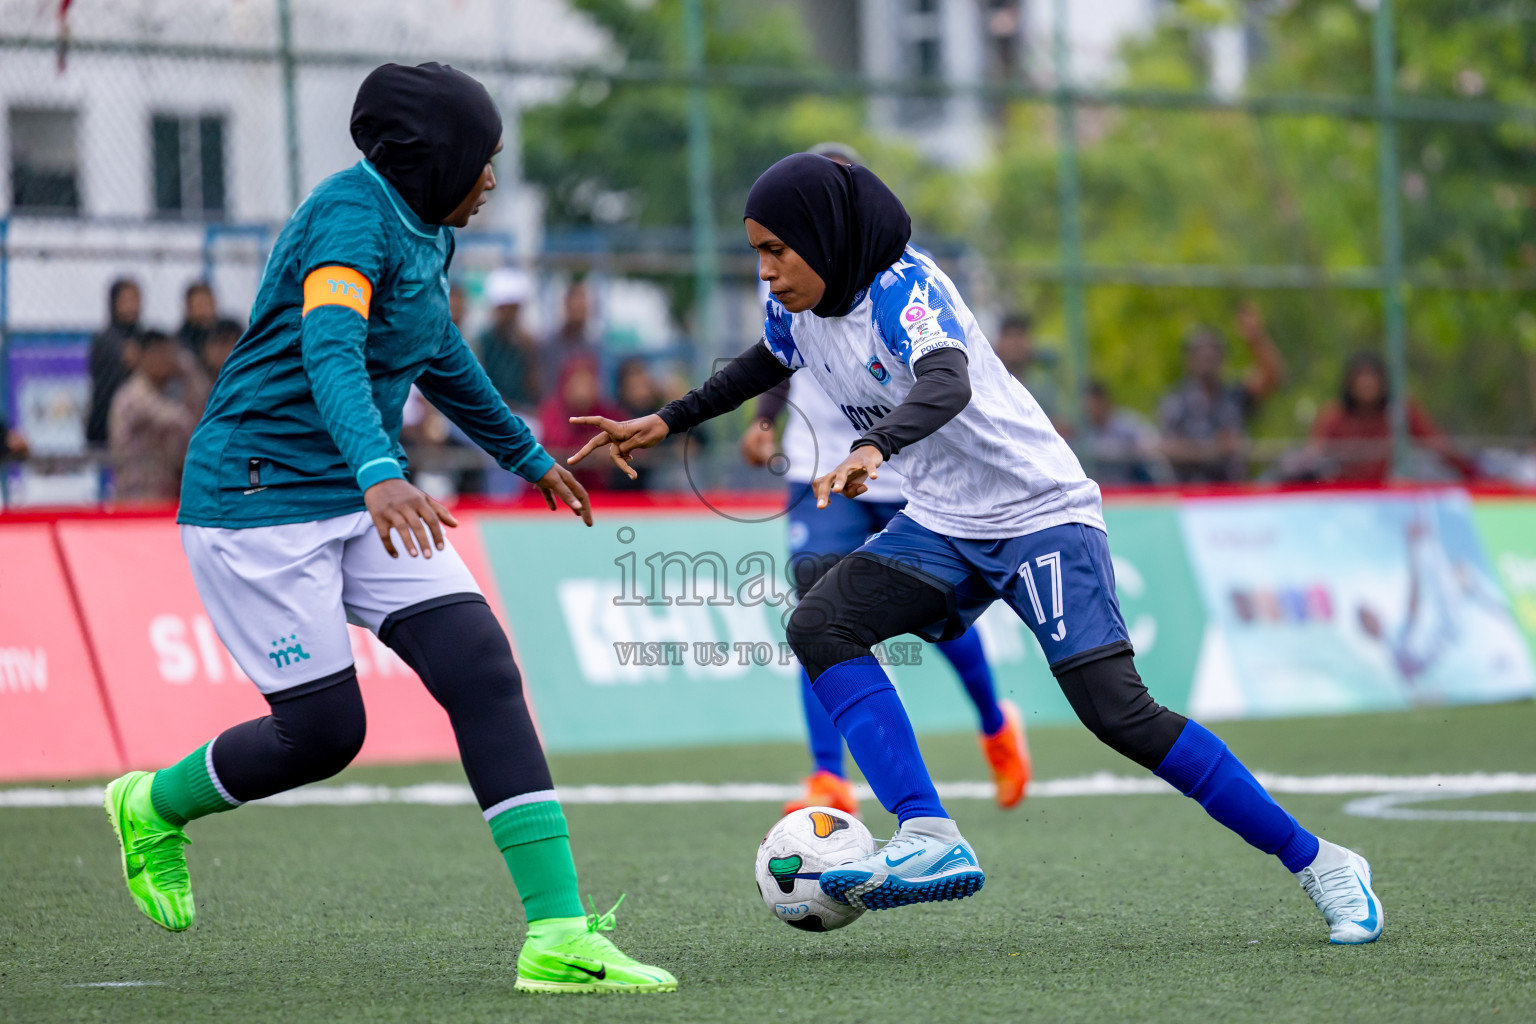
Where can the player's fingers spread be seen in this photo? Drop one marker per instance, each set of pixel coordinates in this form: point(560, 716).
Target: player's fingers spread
point(429, 516)
point(585, 500)
point(621, 459)
point(823, 488)
point(549, 499)
point(402, 528)
point(445, 516)
point(579, 506)
point(418, 527)
point(382, 525)
point(589, 447)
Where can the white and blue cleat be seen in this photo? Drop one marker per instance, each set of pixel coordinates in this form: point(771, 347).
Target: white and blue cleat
point(925, 862)
point(1339, 882)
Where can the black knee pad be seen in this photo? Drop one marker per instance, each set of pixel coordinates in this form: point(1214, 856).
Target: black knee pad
point(323, 729)
point(312, 733)
point(1111, 700)
point(451, 643)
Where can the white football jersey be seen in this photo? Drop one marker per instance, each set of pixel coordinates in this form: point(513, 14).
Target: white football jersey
point(999, 468)
point(817, 436)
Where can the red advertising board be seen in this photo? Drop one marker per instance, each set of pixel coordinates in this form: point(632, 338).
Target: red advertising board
point(52, 720)
point(170, 683)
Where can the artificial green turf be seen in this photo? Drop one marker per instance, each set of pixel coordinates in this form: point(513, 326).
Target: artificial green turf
point(1095, 909)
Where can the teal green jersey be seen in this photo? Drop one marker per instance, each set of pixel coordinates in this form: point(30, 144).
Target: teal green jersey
point(352, 310)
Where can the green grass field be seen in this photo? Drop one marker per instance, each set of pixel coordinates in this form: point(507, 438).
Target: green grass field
point(1095, 909)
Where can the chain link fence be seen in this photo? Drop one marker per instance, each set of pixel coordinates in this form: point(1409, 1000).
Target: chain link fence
point(1103, 180)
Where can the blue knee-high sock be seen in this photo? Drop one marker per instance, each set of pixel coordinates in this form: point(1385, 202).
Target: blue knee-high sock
point(825, 741)
point(863, 703)
point(970, 661)
point(1201, 767)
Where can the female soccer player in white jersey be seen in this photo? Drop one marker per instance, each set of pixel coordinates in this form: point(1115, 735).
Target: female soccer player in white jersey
point(997, 508)
point(818, 539)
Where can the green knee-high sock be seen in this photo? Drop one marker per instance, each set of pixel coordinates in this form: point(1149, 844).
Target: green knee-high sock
point(534, 839)
point(189, 789)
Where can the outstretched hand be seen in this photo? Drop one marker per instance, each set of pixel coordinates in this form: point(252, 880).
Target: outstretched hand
point(850, 476)
point(558, 481)
point(395, 505)
point(622, 439)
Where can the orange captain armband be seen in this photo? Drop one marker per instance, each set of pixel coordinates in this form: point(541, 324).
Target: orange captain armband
point(337, 286)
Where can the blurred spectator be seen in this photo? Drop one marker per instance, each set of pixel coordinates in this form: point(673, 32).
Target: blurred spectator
point(578, 392)
point(507, 351)
point(639, 396)
point(151, 421)
point(221, 342)
point(199, 314)
point(1205, 418)
point(13, 445)
point(458, 304)
point(1124, 447)
point(571, 339)
point(1352, 438)
point(114, 353)
point(1015, 346)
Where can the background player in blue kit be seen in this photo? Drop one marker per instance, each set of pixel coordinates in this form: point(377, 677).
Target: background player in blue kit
point(997, 508)
point(294, 494)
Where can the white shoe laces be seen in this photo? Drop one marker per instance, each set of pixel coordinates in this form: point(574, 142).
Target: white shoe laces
point(1337, 892)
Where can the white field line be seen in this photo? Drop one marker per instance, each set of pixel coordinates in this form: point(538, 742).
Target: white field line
point(1099, 784)
point(116, 984)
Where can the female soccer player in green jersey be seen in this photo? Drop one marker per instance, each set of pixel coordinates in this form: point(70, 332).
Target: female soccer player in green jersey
point(294, 494)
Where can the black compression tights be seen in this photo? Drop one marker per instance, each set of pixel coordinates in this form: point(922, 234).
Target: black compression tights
point(461, 653)
point(861, 601)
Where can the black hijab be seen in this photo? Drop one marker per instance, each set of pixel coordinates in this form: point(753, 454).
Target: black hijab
point(842, 220)
point(429, 130)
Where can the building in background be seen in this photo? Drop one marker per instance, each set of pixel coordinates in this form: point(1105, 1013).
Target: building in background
point(965, 44)
point(167, 127)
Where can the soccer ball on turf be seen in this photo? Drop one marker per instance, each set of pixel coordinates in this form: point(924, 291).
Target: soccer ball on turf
point(794, 854)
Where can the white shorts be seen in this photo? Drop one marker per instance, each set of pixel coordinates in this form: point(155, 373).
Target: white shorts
point(280, 597)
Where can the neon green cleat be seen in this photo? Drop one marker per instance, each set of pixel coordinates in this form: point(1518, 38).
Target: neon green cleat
point(154, 854)
point(573, 955)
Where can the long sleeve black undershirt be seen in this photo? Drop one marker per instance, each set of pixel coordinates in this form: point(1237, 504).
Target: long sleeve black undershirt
point(748, 375)
point(942, 389)
point(772, 402)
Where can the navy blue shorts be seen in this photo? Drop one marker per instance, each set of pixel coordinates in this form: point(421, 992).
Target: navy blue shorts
point(1059, 581)
point(839, 528)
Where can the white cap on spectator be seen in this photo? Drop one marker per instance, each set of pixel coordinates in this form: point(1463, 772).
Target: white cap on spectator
point(508, 286)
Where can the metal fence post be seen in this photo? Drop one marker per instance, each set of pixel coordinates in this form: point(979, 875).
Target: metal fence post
point(290, 99)
point(5, 320)
point(1389, 206)
point(1074, 301)
point(705, 255)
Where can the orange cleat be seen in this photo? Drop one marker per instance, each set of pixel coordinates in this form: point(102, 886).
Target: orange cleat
point(1008, 755)
point(826, 790)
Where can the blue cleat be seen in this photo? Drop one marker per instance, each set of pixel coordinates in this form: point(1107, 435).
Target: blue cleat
point(925, 862)
point(1339, 882)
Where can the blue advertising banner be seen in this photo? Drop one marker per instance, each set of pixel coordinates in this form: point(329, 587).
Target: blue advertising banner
point(1327, 604)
